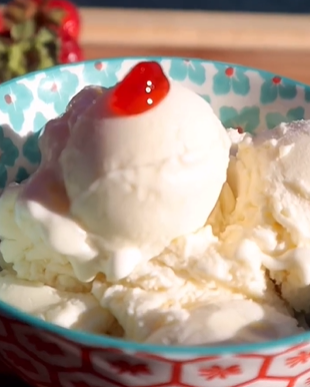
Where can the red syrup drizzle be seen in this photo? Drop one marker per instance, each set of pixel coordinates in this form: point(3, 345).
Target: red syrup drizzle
point(143, 88)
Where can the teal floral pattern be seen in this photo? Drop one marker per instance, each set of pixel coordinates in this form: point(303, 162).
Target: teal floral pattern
point(39, 121)
point(21, 175)
point(206, 97)
point(182, 69)
point(307, 94)
point(31, 150)
point(8, 155)
point(243, 98)
point(103, 73)
point(51, 90)
point(274, 119)
point(274, 87)
point(15, 99)
point(228, 79)
point(246, 120)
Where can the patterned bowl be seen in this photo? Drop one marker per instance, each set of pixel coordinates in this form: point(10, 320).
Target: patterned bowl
point(45, 355)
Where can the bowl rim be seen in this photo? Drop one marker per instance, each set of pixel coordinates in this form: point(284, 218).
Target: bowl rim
point(101, 341)
point(33, 74)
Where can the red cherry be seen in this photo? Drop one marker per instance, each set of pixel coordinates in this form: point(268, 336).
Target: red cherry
point(143, 88)
point(70, 51)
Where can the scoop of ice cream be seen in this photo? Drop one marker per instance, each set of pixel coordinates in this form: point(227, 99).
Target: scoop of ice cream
point(140, 181)
point(143, 164)
point(227, 322)
point(270, 176)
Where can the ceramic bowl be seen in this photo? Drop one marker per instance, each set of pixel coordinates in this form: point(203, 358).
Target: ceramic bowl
point(45, 355)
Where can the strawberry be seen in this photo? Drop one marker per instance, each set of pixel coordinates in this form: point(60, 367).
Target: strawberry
point(70, 23)
point(2, 24)
point(36, 34)
point(70, 50)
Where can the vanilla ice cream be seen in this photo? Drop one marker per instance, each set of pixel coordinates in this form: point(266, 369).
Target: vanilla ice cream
point(166, 305)
point(180, 295)
point(228, 321)
point(115, 191)
point(79, 311)
point(147, 220)
point(23, 248)
point(270, 176)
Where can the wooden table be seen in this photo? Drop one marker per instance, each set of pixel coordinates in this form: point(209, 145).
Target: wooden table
point(290, 63)
point(276, 43)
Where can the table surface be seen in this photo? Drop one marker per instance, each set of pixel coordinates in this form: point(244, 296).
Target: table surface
point(290, 63)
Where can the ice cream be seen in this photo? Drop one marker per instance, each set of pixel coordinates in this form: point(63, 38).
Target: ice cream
point(163, 305)
point(270, 176)
point(80, 311)
point(227, 321)
point(41, 282)
point(24, 250)
point(125, 185)
point(179, 296)
point(130, 227)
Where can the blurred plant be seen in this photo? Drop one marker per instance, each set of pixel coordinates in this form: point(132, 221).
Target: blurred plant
point(36, 34)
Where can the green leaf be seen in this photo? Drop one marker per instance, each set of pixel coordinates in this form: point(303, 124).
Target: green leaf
point(23, 31)
point(56, 16)
point(46, 63)
point(44, 35)
point(3, 47)
point(6, 74)
point(14, 12)
point(45, 59)
point(16, 58)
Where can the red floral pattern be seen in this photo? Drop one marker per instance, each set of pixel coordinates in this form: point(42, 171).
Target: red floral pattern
point(45, 360)
point(301, 358)
point(276, 80)
point(123, 367)
point(216, 372)
point(98, 66)
point(54, 88)
point(8, 99)
point(229, 72)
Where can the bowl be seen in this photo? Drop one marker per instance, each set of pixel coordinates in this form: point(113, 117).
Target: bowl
point(46, 355)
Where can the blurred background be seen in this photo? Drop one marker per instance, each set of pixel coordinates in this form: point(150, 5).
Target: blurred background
point(272, 35)
point(269, 34)
point(283, 6)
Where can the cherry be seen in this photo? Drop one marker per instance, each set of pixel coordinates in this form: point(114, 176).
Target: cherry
point(144, 87)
